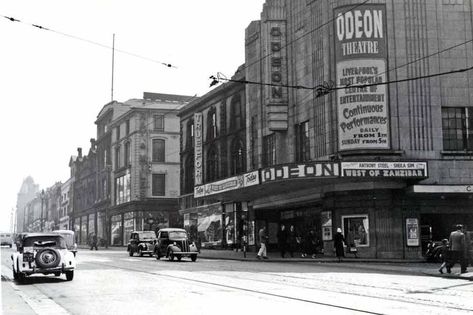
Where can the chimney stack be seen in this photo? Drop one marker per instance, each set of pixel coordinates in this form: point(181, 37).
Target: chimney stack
point(92, 143)
point(79, 152)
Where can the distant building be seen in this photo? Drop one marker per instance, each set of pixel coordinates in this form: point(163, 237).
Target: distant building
point(27, 193)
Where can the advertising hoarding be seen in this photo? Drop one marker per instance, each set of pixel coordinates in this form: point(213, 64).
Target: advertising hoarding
point(361, 59)
point(198, 148)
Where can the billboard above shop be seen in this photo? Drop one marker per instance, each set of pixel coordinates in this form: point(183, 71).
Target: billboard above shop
point(384, 169)
point(227, 184)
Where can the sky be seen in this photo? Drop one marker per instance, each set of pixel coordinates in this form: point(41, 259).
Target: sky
point(54, 82)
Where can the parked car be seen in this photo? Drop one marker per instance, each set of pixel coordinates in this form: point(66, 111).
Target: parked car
point(44, 253)
point(69, 237)
point(6, 239)
point(142, 242)
point(174, 243)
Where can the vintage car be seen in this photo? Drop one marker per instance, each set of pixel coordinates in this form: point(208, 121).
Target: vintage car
point(44, 253)
point(69, 237)
point(6, 239)
point(174, 243)
point(141, 242)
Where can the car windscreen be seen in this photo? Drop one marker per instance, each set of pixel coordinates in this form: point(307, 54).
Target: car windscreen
point(150, 235)
point(177, 234)
point(45, 241)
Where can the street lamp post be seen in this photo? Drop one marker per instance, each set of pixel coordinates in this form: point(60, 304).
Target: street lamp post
point(42, 204)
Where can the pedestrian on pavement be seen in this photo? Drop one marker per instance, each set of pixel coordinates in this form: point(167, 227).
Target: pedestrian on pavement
point(338, 241)
point(93, 242)
point(282, 240)
point(312, 244)
point(263, 239)
point(292, 240)
point(442, 254)
point(457, 249)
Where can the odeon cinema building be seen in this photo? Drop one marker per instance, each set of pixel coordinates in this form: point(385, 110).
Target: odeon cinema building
point(346, 114)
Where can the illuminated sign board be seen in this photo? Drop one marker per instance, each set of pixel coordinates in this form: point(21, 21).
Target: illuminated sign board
point(309, 170)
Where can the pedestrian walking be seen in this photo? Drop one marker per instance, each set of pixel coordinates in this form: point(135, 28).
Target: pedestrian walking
point(93, 242)
point(442, 254)
point(338, 241)
point(282, 240)
point(263, 239)
point(457, 249)
point(292, 240)
point(312, 244)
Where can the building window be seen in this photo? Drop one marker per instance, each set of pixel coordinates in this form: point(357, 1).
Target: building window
point(269, 150)
point(105, 159)
point(238, 157)
point(118, 133)
point(212, 124)
point(127, 127)
point(159, 185)
point(356, 230)
point(158, 122)
point(189, 175)
point(158, 150)
point(302, 142)
point(457, 128)
point(236, 116)
point(190, 134)
point(212, 165)
point(127, 154)
point(122, 189)
point(117, 158)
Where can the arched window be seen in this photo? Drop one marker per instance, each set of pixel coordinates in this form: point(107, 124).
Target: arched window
point(212, 165)
point(238, 157)
point(212, 124)
point(189, 174)
point(236, 115)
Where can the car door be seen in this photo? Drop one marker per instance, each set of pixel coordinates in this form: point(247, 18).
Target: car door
point(163, 242)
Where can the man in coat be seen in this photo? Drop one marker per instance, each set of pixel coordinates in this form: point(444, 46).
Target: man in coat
point(457, 249)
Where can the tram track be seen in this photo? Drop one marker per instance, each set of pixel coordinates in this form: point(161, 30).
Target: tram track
point(417, 301)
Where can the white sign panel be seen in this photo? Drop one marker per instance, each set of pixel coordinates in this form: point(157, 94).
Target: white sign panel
point(231, 183)
point(384, 169)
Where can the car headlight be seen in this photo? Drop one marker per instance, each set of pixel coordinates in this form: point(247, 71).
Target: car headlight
point(174, 244)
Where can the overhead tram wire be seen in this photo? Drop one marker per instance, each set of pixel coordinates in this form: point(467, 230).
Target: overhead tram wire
point(12, 19)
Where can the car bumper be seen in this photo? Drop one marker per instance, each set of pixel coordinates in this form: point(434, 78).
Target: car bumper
point(185, 253)
point(62, 269)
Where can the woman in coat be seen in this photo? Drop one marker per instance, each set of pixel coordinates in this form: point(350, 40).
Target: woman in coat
point(338, 241)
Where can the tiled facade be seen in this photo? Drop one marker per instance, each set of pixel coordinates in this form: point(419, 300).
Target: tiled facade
point(307, 109)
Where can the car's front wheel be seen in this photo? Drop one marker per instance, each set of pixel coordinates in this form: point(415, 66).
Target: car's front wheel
point(140, 252)
point(130, 251)
point(171, 255)
point(69, 275)
point(157, 254)
point(194, 257)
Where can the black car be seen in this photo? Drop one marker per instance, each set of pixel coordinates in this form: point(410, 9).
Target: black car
point(142, 242)
point(174, 243)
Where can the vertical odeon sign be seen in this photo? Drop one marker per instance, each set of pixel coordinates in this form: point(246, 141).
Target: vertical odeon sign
point(361, 59)
point(198, 148)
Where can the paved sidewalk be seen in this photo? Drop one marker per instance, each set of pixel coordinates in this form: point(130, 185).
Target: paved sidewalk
point(408, 266)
